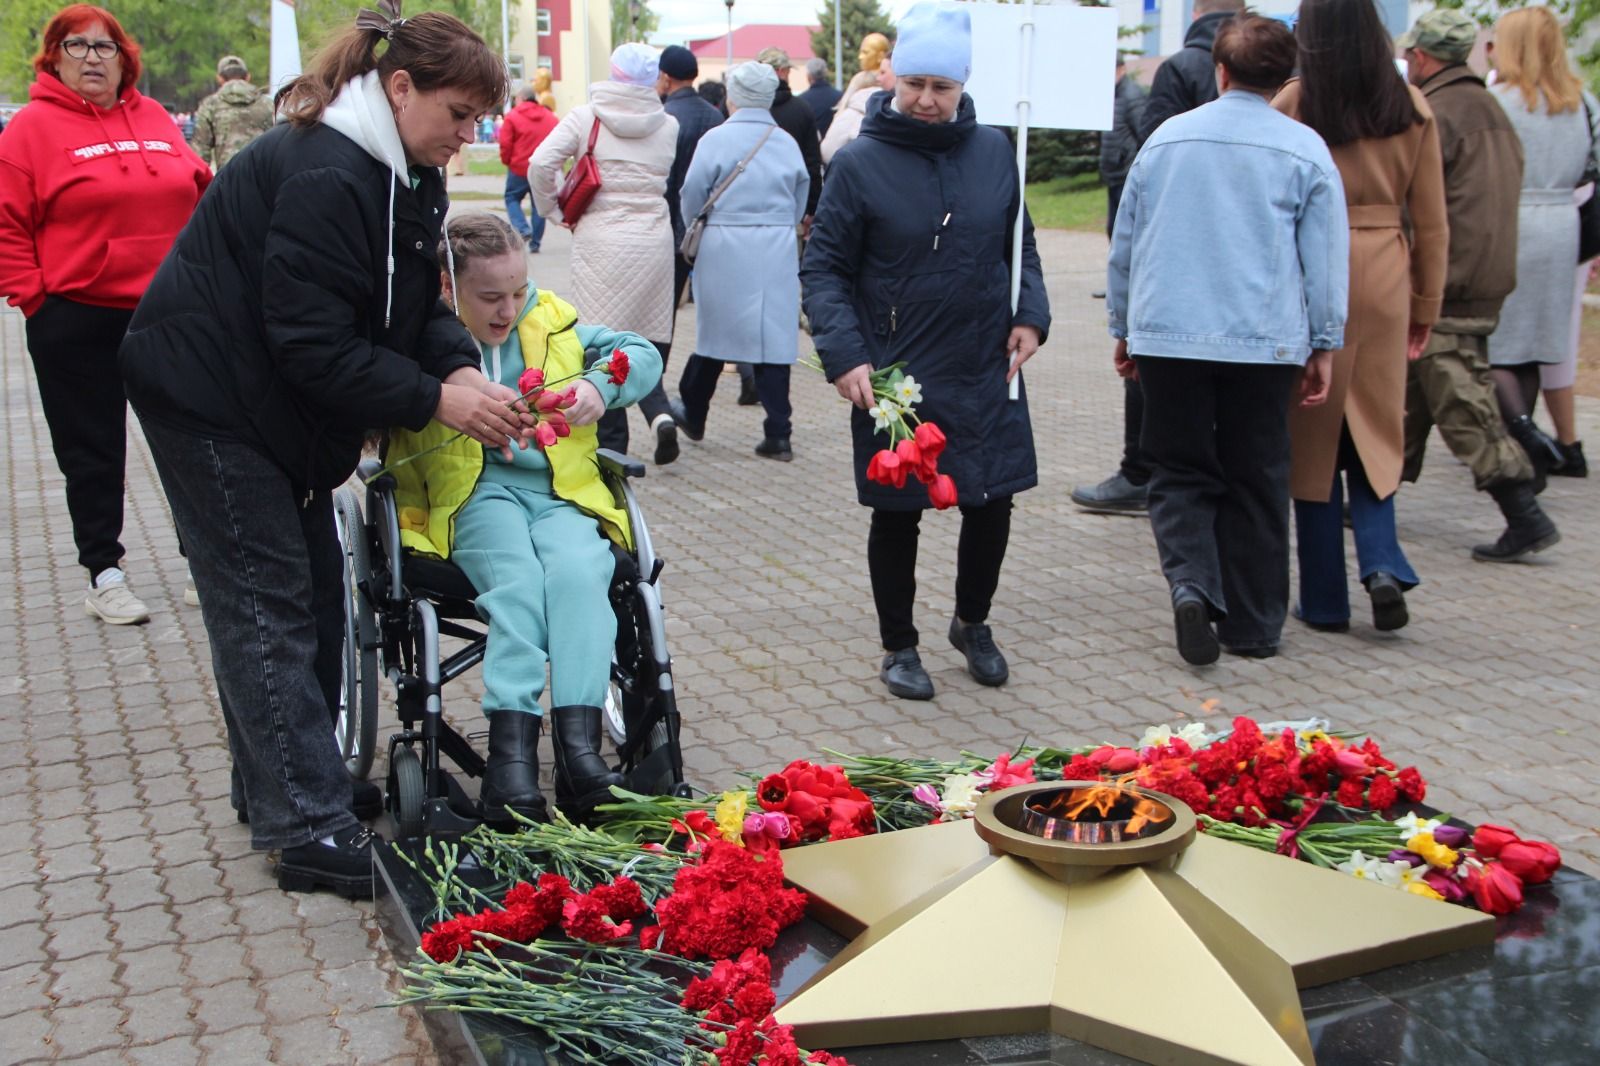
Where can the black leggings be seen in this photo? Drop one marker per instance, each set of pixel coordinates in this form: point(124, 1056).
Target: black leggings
point(892, 561)
point(1517, 389)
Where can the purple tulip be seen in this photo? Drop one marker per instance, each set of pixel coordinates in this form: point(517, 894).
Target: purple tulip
point(1451, 836)
point(1409, 857)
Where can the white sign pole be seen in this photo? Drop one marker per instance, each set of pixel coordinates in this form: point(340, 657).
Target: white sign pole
point(1024, 106)
point(284, 50)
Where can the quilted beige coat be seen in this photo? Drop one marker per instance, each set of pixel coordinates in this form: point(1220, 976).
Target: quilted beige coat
point(622, 246)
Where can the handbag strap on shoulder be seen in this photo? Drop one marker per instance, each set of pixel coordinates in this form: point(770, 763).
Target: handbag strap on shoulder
point(722, 186)
point(594, 133)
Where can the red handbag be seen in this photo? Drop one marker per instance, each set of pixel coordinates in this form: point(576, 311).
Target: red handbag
point(583, 181)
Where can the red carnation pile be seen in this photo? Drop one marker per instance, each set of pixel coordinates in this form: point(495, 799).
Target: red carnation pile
point(528, 911)
point(729, 901)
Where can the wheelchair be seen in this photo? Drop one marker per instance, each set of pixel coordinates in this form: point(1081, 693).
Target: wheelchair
point(400, 605)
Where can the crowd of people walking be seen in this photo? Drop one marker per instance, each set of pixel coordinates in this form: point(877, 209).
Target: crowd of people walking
point(1397, 252)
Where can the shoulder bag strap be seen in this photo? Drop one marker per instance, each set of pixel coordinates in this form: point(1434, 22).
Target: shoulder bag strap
point(594, 133)
point(722, 186)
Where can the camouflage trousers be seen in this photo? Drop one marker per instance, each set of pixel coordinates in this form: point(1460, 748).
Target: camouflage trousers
point(1449, 387)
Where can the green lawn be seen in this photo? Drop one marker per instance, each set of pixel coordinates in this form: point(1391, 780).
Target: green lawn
point(1076, 203)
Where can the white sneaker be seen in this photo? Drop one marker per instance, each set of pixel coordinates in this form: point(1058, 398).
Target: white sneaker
point(113, 602)
point(190, 595)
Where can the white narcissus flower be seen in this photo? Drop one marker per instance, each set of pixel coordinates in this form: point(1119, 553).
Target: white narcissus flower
point(908, 392)
point(1154, 737)
point(1409, 825)
point(1392, 874)
point(885, 413)
point(1193, 733)
point(1359, 865)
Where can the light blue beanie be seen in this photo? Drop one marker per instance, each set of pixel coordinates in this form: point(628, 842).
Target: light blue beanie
point(934, 40)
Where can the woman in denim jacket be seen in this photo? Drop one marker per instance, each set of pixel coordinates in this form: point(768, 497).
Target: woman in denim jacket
point(1219, 351)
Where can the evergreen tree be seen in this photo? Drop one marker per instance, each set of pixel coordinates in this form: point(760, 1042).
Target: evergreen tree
point(861, 17)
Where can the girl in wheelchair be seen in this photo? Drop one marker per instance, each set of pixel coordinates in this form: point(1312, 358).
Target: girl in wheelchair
point(529, 527)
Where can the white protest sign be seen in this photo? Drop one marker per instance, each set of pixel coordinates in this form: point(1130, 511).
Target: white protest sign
point(1071, 72)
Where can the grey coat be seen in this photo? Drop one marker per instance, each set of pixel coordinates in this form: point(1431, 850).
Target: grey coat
point(1536, 321)
point(746, 278)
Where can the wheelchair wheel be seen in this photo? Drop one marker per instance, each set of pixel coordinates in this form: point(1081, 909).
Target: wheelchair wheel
point(355, 726)
point(409, 793)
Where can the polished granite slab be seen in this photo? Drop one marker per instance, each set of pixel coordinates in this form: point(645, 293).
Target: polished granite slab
point(1533, 999)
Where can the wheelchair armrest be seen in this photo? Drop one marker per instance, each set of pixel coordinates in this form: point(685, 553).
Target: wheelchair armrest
point(619, 465)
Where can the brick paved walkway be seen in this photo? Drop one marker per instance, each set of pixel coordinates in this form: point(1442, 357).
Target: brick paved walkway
point(137, 926)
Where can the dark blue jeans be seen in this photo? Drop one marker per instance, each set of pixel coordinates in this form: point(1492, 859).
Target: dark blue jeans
point(1217, 437)
point(1319, 531)
point(532, 226)
point(269, 574)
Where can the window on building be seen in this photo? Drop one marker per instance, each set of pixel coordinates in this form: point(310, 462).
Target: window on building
point(516, 66)
point(542, 20)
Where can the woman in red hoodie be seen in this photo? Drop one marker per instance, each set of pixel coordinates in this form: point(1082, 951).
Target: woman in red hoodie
point(95, 183)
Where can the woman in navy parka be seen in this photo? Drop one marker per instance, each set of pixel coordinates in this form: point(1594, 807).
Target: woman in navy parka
point(909, 261)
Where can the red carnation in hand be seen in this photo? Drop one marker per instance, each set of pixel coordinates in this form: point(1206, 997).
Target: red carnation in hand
point(886, 469)
point(531, 380)
point(618, 367)
point(942, 492)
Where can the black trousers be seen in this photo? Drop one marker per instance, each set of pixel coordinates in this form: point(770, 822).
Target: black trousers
point(612, 429)
point(1135, 463)
point(1218, 439)
point(74, 350)
point(699, 383)
point(892, 562)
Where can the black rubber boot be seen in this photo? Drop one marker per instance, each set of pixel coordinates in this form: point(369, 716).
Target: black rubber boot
point(1547, 455)
point(583, 778)
point(511, 778)
point(1528, 528)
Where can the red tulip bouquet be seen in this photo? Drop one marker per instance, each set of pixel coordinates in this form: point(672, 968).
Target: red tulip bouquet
point(915, 444)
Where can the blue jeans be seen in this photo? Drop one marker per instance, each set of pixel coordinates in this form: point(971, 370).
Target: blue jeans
point(270, 576)
point(1319, 529)
point(532, 226)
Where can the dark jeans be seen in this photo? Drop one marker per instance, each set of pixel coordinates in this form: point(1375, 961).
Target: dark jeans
point(269, 574)
point(1218, 440)
point(699, 382)
point(532, 226)
point(892, 562)
point(74, 350)
point(1319, 540)
point(1135, 462)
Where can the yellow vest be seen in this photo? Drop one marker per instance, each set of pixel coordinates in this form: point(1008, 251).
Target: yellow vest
point(431, 490)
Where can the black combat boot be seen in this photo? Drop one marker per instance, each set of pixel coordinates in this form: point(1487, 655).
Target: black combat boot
point(1528, 528)
point(1546, 454)
point(512, 777)
point(583, 778)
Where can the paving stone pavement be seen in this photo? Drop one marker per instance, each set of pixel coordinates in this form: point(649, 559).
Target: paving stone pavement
point(136, 925)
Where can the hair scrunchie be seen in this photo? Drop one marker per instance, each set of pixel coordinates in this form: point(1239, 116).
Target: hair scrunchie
point(386, 20)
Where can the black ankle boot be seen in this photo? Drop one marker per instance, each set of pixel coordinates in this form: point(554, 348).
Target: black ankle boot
point(1546, 454)
point(582, 777)
point(512, 777)
point(1388, 602)
point(1575, 465)
point(1528, 528)
point(1191, 618)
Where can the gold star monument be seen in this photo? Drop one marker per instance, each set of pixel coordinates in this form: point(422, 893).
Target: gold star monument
point(1154, 942)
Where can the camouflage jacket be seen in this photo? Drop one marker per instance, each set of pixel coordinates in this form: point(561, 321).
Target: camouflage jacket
point(229, 119)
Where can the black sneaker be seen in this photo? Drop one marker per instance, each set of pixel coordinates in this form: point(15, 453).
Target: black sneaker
point(666, 431)
point(345, 866)
point(902, 672)
point(691, 430)
point(984, 661)
point(1191, 618)
point(1388, 602)
point(1115, 495)
point(775, 448)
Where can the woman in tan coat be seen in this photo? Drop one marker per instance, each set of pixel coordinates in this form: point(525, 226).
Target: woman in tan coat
point(1383, 139)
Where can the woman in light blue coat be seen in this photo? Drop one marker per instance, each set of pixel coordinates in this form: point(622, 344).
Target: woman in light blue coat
point(746, 278)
